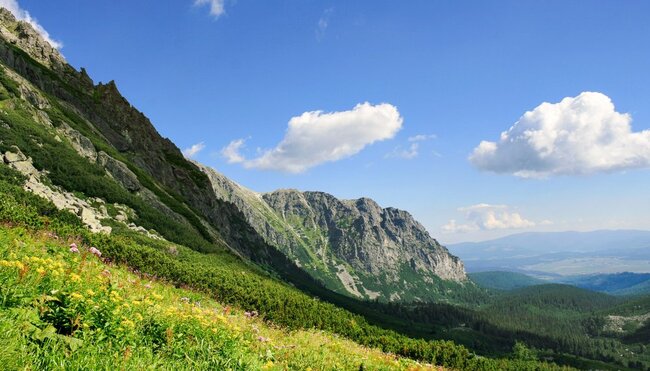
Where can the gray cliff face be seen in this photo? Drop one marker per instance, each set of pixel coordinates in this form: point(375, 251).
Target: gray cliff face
point(354, 247)
point(369, 238)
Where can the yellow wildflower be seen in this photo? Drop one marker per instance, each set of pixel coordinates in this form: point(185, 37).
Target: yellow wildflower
point(115, 296)
point(156, 296)
point(90, 292)
point(76, 296)
point(138, 317)
point(128, 323)
point(267, 365)
point(40, 270)
point(75, 277)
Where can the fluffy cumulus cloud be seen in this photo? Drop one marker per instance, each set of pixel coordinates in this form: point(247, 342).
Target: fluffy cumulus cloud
point(217, 7)
point(578, 135)
point(317, 137)
point(193, 150)
point(231, 152)
point(23, 15)
point(488, 217)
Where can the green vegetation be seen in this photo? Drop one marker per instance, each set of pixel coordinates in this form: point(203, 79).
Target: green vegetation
point(560, 322)
point(71, 310)
point(221, 275)
point(74, 173)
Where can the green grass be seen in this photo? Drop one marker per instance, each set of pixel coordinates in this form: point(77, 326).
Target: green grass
point(64, 310)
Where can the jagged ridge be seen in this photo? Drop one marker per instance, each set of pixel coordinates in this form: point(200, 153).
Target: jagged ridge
point(354, 246)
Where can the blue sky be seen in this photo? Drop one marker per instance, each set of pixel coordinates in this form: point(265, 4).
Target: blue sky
point(450, 74)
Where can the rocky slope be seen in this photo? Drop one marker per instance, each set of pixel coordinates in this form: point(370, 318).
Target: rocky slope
point(353, 246)
point(55, 101)
point(83, 146)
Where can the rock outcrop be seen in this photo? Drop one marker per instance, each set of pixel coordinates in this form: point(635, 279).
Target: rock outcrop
point(120, 172)
point(354, 247)
point(89, 215)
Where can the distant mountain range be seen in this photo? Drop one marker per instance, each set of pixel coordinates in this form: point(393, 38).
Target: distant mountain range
point(556, 254)
point(625, 283)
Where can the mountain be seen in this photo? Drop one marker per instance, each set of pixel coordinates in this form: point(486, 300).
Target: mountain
point(117, 252)
point(93, 146)
point(354, 247)
point(504, 280)
point(556, 254)
point(625, 283)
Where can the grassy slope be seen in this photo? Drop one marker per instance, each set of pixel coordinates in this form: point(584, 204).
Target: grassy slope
point(64, 309)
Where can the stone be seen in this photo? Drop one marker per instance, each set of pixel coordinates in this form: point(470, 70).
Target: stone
point(82, 145)
point(120, 172)
point(18, 161)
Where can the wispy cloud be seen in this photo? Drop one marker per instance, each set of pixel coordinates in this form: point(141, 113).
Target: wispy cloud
point(412, 150)
point(193, 150)
point(23, 15)
point(483, 217)
point(422, 137)
point(217, 7)
point(323, 23)
point(405, 153)
point(579, 135)
point(316, 137)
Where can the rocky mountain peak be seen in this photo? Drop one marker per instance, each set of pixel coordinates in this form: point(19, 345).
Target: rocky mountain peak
point(354, 247)
point(25, 37)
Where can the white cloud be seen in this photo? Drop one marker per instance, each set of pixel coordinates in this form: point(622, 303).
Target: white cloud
point(579, 135)
point(488, 217)
point(23, 15)
point(231, 151)
point(193, 150)
point(217, 7)
point(316, 137)
point(323, 23)
point(405, 153)
point(413, 149)
point(421, 137)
